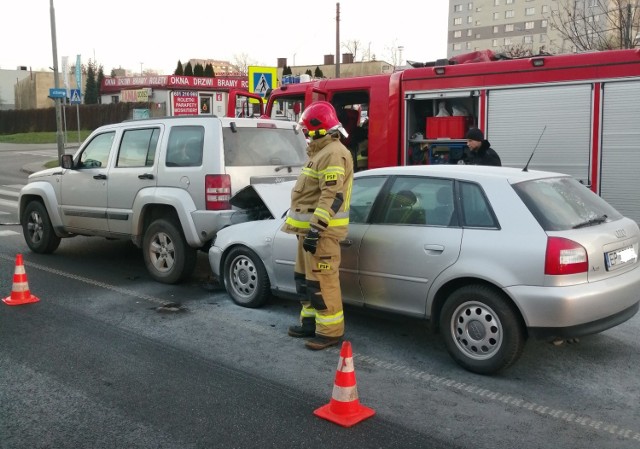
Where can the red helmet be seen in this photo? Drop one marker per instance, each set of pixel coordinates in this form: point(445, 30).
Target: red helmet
point(320, 118)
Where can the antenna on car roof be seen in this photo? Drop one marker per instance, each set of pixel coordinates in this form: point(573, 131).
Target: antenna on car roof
point(526, 167)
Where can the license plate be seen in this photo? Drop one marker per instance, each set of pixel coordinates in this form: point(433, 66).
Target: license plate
point(623, 256)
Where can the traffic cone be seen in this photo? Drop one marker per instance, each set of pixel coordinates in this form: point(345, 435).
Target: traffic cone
point(20, 293)
point(345, 408)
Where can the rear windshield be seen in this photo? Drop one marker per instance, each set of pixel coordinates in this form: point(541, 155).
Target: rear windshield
point(563, 203)
point(263, 146)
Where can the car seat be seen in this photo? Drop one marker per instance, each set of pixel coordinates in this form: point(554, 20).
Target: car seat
point(404, 209)
point(443, 213)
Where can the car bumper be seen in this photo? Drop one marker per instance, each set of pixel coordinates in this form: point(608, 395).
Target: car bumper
point(572, 311)
point(215, 259)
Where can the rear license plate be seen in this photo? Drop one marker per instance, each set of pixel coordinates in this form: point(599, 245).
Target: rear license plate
point(618, 258)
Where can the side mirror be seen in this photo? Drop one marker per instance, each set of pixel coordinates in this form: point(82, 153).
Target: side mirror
point(67, 161)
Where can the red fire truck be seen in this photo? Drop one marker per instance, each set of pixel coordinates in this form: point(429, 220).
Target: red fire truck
point(580, 112)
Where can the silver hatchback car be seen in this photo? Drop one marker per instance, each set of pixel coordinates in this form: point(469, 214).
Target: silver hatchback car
point(490, 255)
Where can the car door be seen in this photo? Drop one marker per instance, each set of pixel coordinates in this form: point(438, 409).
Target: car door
point(134, 170)
point(83, 190)
point(363, 194)
point(408, 244)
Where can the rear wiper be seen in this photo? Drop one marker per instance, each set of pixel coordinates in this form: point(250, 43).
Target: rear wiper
point(288, 167)
point(591, 222)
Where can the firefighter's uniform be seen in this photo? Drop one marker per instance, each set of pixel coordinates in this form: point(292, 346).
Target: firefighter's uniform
point(320, 200)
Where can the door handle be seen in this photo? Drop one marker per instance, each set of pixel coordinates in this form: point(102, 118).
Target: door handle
point(100, 176)
point(146, 176)
point(434, 249)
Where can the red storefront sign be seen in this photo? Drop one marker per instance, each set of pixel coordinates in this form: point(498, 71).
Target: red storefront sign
point(185, 103)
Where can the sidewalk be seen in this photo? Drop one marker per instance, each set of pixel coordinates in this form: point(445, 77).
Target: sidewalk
point(35, 166)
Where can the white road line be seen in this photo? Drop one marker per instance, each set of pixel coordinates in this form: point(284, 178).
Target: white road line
point(12, 193)
point(14, 186)
point(12, 204)
point(8, 233)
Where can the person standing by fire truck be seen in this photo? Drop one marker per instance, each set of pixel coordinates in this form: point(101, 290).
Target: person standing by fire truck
point(480, 151)
point(319, 216)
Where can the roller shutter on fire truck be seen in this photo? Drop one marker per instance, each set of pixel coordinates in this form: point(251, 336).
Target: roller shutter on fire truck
point(620, 172)
point(517, 117)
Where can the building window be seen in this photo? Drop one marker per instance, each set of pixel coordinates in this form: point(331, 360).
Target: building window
point(496, 2)
point(468, 45)
point(528, 39)
point(507, 41)
point(469, 19)
point(478, 36)
point(479, 9)
point(495, 29)
point(470, 6)
point(508, 28)
point(529, 25)
point(469, 33)
point(457, 34)
point(494, 43)
point(509, 2)
point(457, 8)
point(509, 14)
point(457, 46)
point(545, 9)
point(529, 11)
point(544, 23)
point(543, 38)
point(457, 21)
point(496, 15)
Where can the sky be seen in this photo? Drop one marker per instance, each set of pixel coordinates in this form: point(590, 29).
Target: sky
point(155, 35)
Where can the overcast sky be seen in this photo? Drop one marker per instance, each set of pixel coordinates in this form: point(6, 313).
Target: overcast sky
point(156, 34)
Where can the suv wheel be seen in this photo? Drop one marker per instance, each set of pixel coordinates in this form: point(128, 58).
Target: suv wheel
point(245, 278)
point(481, 330)
point(37, 229)
point(168, 257)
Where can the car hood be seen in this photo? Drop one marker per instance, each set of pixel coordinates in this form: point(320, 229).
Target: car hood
point(45, 173)
point(275, 197)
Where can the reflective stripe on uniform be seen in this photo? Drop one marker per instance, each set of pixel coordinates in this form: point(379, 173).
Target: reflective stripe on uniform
point(318, 174)
point(301, 221)
point(307, 312)
point(330, 320)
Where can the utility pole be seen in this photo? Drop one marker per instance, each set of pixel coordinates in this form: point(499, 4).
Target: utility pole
point(338, 40)
point(56, 82)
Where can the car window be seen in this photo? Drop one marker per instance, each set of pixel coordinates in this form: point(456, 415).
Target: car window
point(563, 203)
point(138, 148)
point(96, 153)
point(263, 146)
point(419, 200)
point(363, 194)
point(476, 210)
point(185, 146)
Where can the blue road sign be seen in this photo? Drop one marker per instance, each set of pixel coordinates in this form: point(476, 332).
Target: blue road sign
point(75, 97)
point(57, 93)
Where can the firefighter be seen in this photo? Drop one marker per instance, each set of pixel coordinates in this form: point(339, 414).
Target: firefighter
point(319, 216)
point(480, 151)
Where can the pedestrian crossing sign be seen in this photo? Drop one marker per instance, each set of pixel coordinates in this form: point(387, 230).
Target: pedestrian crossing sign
point(262, 80)
point(76, 97)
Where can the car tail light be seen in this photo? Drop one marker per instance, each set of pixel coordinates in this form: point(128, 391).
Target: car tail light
point(565, 256)
point(218, 191)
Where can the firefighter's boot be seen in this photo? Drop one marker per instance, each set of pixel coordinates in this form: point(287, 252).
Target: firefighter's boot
point(321, 342)
point(305, 330)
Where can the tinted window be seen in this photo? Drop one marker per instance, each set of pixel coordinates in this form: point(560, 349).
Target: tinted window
point(564, 203)
point(96, 153)
point(363, 194)
point(138, 148)
point(263, 146)
point(476, 211)
point(185, 146)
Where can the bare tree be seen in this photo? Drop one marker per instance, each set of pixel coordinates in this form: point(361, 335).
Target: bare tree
point(597, 24)
point(394, 53)
point(352, 47)
point(241, 63)
point(517, 51)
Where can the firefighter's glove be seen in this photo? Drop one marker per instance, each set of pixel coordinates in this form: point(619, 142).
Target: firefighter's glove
point(310, 242)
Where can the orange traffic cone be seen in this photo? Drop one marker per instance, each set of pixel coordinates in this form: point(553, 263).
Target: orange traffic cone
point(345, 408)
point(20, 293)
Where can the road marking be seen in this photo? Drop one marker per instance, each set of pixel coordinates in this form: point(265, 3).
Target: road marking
point(8, 233)
point(12, 193)
point(14, 186)
point(468, 389)
point(40, 153)
point(13, 204)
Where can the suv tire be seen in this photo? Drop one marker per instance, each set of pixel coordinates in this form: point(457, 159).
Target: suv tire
point(168, 257)
point(37, 229)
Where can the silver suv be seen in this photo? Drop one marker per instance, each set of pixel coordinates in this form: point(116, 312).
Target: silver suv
point(164, 183)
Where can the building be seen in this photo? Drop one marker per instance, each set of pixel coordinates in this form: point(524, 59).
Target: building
point(503, 26)
point(32, 92)
point(8, 81)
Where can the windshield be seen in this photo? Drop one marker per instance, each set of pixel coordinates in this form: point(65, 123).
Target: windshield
point(563, 203)
point(263, 146)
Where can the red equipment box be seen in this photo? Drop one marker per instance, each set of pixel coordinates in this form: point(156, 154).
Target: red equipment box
point(448, 127)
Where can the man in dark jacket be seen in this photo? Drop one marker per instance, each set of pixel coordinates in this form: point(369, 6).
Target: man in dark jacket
point(480, 151)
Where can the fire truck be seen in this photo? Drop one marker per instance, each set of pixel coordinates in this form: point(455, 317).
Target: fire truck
point(577, 114)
